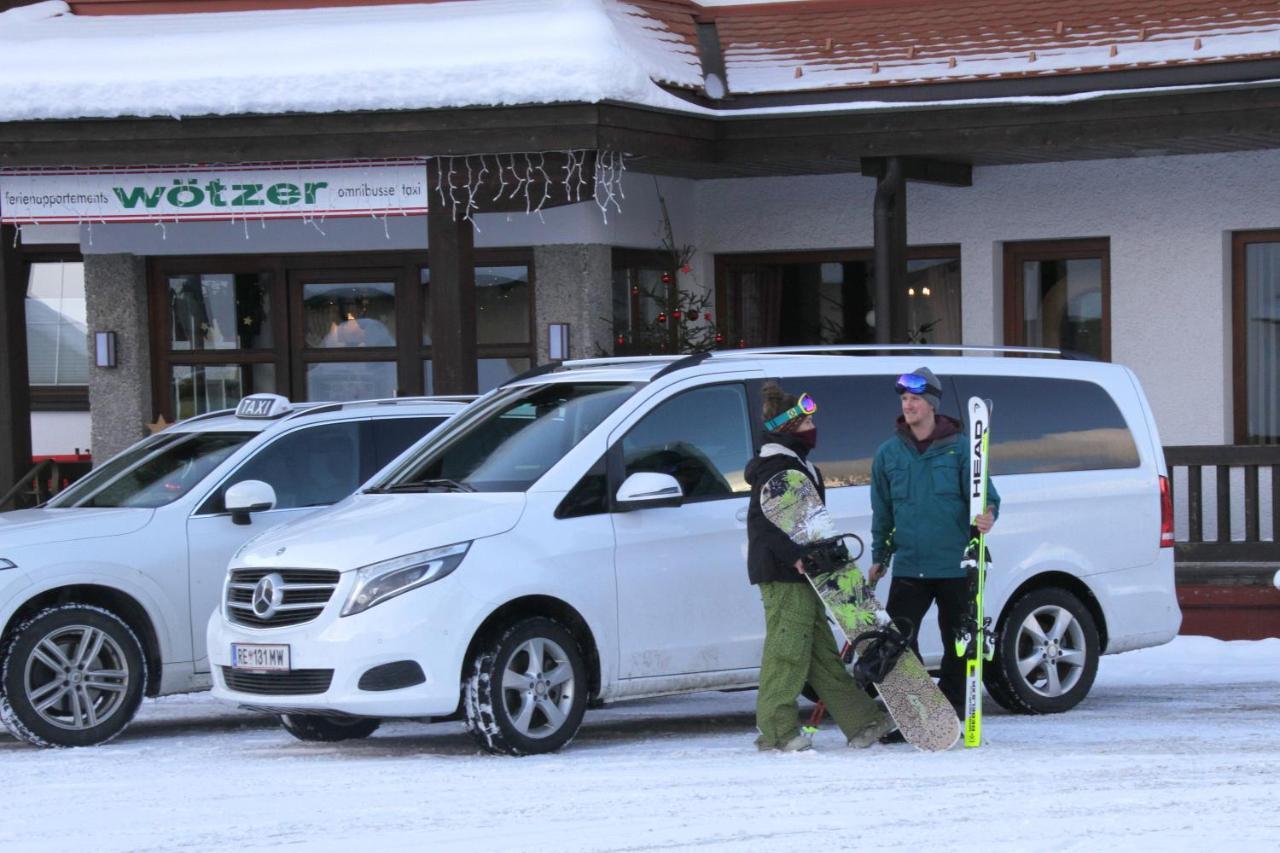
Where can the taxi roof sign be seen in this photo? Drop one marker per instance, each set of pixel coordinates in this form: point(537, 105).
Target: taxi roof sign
point(263, 406)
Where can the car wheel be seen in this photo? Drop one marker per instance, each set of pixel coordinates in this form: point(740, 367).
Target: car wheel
point(527, 690)
point(328, 728)
point(1046, 654)
point(72, 675)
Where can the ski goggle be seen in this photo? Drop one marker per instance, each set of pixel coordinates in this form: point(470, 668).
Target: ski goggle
point(910, 383)
point(802, 409)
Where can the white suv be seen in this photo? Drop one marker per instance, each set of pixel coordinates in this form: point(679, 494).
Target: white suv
point(578, 537)
point(106, 589)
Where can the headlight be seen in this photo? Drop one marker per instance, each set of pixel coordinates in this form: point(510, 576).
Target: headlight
point(380, 581)
point(7, 564)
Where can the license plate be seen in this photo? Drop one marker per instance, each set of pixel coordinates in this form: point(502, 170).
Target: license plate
point(268, 658)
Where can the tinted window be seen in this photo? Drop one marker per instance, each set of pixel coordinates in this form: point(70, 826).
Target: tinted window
point(700, 437)
point(314, 466)
point(392, 435)
point(855, 416)
point(1041, 425)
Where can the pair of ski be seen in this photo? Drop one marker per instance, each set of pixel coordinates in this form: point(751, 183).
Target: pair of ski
point(879, 647)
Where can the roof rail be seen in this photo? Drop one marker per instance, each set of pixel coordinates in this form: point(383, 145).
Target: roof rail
point(323, 408)
point(906, 349)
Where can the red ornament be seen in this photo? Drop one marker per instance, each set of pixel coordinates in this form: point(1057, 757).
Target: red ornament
point(742, 344)
point(719, 338)
point(707, 316)
point(666, 278)
point(684, 269)
point(675, 315)
point(662, 316)
point(635, 291)
point(621, 340)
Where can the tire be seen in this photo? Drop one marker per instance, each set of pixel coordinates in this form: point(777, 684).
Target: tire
point(328, 728)
point(527, 690)
point(72, 675)
point(1046, 654)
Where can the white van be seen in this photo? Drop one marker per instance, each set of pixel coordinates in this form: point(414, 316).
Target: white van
point(577, 537)
point(105, 591)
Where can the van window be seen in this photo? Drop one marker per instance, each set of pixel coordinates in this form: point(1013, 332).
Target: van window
point(856, 414)
point(512, 438)
point(314, 466)
point(1044, 425)
point(392, 435)
point(700, 437)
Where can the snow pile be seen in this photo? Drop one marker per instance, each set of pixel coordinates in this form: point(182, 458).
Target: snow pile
point(456, 54)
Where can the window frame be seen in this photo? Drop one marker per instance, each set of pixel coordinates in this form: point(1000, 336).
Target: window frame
point(1016, 253)
point(1240, 241)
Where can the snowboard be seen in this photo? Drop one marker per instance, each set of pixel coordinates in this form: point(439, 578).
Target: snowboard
point(923, 714)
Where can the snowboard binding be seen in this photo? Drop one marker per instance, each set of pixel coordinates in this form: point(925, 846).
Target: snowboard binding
point(879, 651)
point(829, 555)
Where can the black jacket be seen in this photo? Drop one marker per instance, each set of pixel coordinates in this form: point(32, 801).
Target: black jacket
point(771, 555)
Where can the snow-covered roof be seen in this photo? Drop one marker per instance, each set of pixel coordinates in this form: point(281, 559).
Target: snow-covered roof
point(480, 53)
point(826, 44)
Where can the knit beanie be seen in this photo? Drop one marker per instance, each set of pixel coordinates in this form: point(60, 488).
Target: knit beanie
point(931, 396)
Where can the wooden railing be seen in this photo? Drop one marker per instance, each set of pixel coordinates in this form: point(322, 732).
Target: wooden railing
point(1186, 468)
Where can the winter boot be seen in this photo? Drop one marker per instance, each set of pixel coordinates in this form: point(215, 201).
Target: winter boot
point(872, 732)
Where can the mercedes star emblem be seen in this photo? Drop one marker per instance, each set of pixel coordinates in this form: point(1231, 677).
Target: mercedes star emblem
point(268, 595)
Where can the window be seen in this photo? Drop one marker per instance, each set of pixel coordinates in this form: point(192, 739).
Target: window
point(1256, 336)
point(57, 336)
point(171, 471)
point(314, 466)
point(218, 335)
point(856, 414)
point(1058, 295)
point(392, 435)
point(644, 286)
point(700, 437)
point(1045, 425)
point(515, 438)
point(806, 298)
point(504, 337)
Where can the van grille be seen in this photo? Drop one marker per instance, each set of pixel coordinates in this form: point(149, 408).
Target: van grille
point(306, 592)
point(300, 682)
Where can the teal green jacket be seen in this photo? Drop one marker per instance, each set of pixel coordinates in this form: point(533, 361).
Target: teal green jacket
point(920, 506)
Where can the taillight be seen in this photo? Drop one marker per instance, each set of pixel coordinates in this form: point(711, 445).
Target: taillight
point(1166, 514)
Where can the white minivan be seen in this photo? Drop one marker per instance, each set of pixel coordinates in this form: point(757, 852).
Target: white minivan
point(105, 590)
point(577, 537)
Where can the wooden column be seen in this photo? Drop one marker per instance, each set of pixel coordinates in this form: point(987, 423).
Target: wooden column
point(15, 392)
point(890, 244)
point(451, 257)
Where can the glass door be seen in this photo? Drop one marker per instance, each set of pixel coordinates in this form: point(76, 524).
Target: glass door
point(344, 333)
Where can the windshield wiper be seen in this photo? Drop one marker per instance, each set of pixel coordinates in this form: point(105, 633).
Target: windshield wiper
point(436, 485)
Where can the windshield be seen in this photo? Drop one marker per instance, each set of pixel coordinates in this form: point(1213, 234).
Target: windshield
point(513, 440)
point(154, 472)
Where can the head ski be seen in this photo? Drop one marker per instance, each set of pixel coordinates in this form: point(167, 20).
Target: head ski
point(976, 642)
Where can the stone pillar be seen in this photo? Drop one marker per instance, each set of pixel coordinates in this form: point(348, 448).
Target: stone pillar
point(574, 284)
point(115, 289)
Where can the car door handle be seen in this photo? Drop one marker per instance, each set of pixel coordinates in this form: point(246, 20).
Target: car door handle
point(741, 515)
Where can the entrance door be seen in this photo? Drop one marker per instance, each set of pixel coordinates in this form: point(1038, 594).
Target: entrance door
point(345, 326)
point(684, 604)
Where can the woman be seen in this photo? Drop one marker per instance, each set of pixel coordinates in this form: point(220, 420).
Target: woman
point(798, 645)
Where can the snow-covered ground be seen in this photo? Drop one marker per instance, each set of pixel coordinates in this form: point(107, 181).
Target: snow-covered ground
point(1177, 748)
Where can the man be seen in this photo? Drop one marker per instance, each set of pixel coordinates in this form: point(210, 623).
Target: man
point(798, 645)
point(920, 517)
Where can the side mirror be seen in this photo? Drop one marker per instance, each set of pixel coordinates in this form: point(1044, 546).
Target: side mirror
point(249, 496)
point(644, 490)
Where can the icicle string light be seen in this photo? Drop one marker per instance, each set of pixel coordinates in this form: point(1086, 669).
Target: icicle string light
point(460, 179)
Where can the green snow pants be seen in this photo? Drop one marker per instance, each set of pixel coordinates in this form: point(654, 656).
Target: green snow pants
point(799, 648)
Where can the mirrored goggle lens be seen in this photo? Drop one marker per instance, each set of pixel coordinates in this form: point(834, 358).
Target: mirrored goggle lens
point(909, 382)
point(807, 405)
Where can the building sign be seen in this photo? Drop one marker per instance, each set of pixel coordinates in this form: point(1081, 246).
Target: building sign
point(305, 190)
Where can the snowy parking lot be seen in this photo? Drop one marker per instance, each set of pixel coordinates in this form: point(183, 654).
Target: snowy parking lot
point(1176, 748)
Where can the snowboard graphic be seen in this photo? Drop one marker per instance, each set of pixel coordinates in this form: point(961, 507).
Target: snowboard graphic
point(924, 716)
